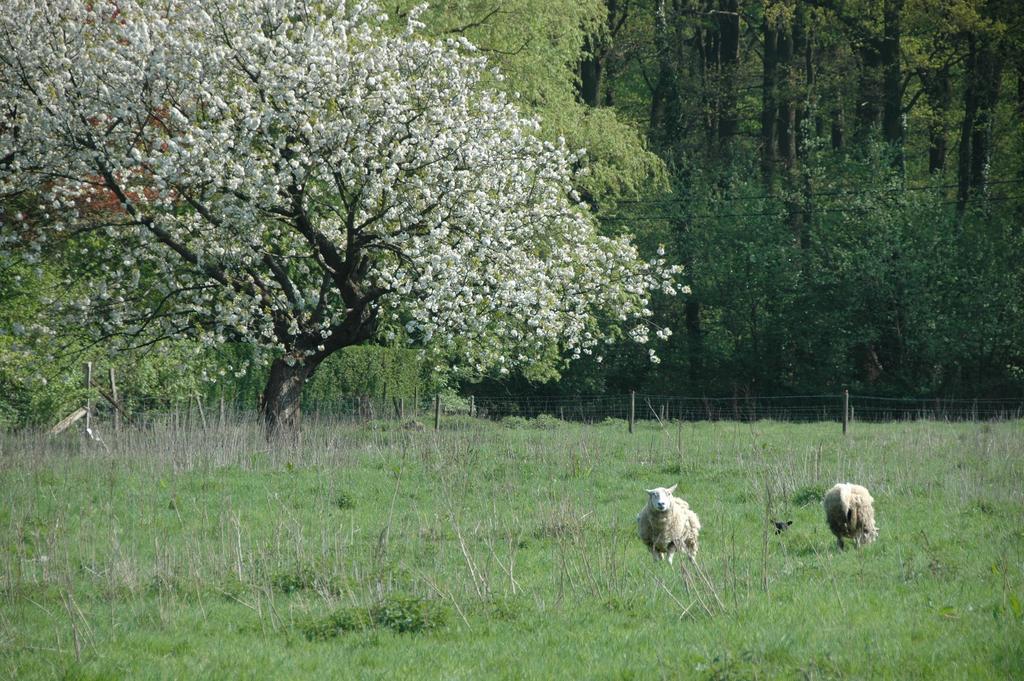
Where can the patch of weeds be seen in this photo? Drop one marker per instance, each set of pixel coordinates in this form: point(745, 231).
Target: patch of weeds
point(985, 507)
point(296, 580)
point(541, 422)
point(613, 422)
point(231, 588)
point(546, 422)
point(344, 500)
point(337, 623)
point(409, 614)
point(504, 609)
point(515, 422)
point(746, 665)
point(434, 534)
point(808, 494)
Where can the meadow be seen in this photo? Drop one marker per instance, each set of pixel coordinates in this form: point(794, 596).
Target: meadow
point(508, 551)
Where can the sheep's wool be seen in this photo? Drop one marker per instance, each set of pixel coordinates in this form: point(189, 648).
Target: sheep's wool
point(667, 525)
point(850, 514)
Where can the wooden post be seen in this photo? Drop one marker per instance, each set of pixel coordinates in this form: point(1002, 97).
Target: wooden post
point(222, 406)
point(437, 412)
point(632, 409)
point(846, 409)
point(115, 401)
point(401, 408)
point(472, 405)
point(202, 414)
point(88, 396)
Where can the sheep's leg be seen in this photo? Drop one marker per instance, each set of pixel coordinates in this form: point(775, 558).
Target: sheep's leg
point(839, 541)
point(671, 555)
point(655, 553)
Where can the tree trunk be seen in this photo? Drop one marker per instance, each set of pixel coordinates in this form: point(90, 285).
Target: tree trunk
point(664, 104)
point(871, 91)
point(728, 57)
point(281, 401)
point(769, 133)
point(989, 73)
point(590, 72)
point(981, 95)
point(892, 85)
point(938, 90)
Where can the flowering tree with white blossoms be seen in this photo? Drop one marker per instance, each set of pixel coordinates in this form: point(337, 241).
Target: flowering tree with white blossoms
point(288, 173)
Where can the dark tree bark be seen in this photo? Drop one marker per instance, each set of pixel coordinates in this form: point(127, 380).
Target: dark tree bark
point(870, 95)
point(938, 91)
point(664, 97)
point(727, 22)
point(769, 109)
point(892, 80)
point(981, 95)
point(281, 401)
point(695, 339)
point(591, 68)
point(595, 51)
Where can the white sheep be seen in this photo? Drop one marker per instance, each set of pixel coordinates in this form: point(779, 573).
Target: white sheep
point(850, 513)
point(666, 524)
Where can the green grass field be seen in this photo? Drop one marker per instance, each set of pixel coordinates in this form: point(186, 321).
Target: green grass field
point(489, 551)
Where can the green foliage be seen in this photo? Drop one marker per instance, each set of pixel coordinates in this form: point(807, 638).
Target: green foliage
point(409, 614)
point(808, 495)
point(341, 621)
point(369, 370)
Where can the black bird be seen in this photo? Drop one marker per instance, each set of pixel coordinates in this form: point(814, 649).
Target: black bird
point(781, 526)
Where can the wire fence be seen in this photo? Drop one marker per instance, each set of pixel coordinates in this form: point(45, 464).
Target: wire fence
point(451, 411)
point(794, 408)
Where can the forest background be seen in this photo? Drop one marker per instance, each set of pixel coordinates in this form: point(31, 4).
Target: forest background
point(843, 181)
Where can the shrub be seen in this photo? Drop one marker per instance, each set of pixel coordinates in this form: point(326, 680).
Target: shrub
point(808, 494)
point(337, 623)
point(408, 614)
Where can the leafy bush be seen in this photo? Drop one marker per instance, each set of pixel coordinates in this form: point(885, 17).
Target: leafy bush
point(337, 623)
point(408, 614)
point(808, 494)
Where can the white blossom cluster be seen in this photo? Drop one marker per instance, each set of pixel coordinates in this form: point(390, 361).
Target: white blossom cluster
point(292, 175)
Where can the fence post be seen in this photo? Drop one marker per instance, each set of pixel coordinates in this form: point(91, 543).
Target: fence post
point(87, 369)
point(437, 412)
point(846, 409)
point(115, 402)
point(401, 408)
point(632, 409)
point(472, 405)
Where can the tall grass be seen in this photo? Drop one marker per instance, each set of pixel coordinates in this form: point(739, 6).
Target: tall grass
point(508, 551)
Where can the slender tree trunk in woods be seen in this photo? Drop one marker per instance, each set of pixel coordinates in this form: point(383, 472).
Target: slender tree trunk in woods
point(871, 91)
point(768, 103)
point(981, 95)
point(728, 24)
point(837, 130)
point(695, 339)
point(787, 98)
point(595, 48)
point(938, 89)
point(590, 72)
point(663, 98)
point(989, 74)
point(967, 128)
point(892, 81)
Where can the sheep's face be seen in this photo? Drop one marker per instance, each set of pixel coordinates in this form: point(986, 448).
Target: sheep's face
point(660, 498)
